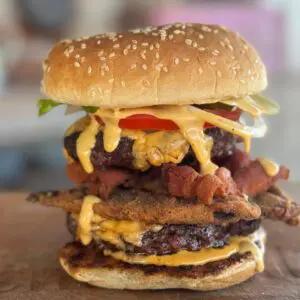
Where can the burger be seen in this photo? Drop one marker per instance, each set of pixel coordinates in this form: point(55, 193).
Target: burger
point(167, 195)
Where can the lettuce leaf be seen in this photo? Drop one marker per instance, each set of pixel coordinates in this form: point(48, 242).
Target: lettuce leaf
point(46, 105)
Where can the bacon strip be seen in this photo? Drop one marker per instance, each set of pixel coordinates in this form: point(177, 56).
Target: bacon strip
point(252, 179)
point(184, 181)
point(100, 182)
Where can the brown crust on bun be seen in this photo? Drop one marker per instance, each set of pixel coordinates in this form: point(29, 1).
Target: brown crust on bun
point(166, 65)
point(85, 263)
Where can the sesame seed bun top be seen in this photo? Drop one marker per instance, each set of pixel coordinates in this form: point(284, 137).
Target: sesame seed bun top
point(165, 65)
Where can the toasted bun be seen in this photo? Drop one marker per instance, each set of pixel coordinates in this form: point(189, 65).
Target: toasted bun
point(135, 279)
point(118, 277)
point(165, 65)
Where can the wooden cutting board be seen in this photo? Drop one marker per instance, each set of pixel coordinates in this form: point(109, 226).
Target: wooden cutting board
point(31, 236)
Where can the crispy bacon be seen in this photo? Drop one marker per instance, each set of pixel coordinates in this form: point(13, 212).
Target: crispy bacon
point(100, 182)
point(252, 179)
point(184, 181)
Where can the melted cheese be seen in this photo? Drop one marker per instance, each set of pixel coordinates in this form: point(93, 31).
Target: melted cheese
point(158, 148)
point(115, 232)
point(269, 166)
point(112, 231)
point(196, 258)
point(85, 143)
point(190, 121)
point(161, 147)
point(85, 219)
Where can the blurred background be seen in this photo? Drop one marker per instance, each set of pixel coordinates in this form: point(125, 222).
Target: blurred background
point(30, 147)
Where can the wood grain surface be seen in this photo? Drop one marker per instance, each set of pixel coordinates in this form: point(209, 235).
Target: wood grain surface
point(31, 236)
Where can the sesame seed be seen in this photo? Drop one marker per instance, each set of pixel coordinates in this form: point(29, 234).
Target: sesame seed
point(83, 45)
point(216, 31)
point(249, 72)
point(256, 61)
point(206, 28)
point(144, 67)
point(98, 42)
point(134, 47)
point(201, 36)
point(100, 53)
point(188, 42)
point(212, 62)
point(151, 47)
point(82, 59)
point(71, 49)
point(219, 74)
point(134, 41)
point(246, 47)
point(177, 31)
point(120, 36)
point(89, 70)
point(157, 55)
point(242, 81)
point(230, 47)
point(48, 70)
point(200, 70)
point(158, 67)
point(145, 44)
point(215, 52)
point(77, 56)
point(232, 57)
point(165, 69)
point(195, 44)
point(222, 44)
point(186, 59)
point(106, 68)
point(125, 51)
point(201, 49)
point(154, 33)
point(102, 58)
point(170, 36)
point(163, 34)
point(76, 64)
point(112, 54)
point(143, 56)
point(183, 26)
point(123, 83)
point(227, 41)
point(115, 46)
point(157, 45)
point(177, 25)
point(102, 72)
point(176, 60)
point(133, 66)
point(111, 80)
point(252, 78)
point(66, 53)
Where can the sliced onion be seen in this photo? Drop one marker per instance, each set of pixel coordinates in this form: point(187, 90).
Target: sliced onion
point(258, 129)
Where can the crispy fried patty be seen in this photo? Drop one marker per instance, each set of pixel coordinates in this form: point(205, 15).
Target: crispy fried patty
point(79, 256)
point(173, 238)
point(224, 143)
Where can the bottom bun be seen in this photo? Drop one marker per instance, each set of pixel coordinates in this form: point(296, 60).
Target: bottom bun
point(108, 273)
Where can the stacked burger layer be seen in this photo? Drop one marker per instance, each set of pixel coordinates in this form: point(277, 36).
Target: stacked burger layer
point(165, 196)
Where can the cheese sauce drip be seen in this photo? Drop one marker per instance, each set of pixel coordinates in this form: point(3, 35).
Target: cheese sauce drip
point(113, 231)
point(85, 219)
point(161, 147)
point(196, 258)
point(190, 120)
point(86, 142)
point(269, 166)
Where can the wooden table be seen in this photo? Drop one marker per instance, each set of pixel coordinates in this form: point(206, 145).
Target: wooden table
point(31, 236)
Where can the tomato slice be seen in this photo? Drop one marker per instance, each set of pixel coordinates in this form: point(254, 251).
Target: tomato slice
point(149, 122)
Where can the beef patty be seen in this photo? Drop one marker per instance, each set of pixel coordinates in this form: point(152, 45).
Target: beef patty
point(224, 143)
point(173, 238)
point(79, 256)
